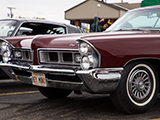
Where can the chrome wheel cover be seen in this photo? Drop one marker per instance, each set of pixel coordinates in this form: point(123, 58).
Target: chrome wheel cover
point(141, 85)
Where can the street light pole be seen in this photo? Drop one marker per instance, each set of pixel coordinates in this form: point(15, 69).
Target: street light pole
point(11, 13)
point(98, 6)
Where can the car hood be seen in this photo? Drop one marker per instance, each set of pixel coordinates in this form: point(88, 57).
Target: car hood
point(69, 41)
point(20, 41)
point(57, 41)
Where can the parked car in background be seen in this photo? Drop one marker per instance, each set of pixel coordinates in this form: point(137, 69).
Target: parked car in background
point(23, 27)
point(123, 61)
point(19, 27)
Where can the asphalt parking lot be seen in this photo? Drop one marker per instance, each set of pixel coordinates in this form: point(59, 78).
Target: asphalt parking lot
point(20, 101)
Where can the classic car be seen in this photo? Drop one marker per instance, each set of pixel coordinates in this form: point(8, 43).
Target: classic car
point(30, 27)
point(19, 27)
point(123, 61)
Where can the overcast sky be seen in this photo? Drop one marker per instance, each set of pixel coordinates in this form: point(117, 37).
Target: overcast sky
point(48, 9)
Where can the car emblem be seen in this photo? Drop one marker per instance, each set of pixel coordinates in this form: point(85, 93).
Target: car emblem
point(72, 45)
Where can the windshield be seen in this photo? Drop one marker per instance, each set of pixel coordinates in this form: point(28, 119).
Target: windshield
point(6, 28)
point(144, 19)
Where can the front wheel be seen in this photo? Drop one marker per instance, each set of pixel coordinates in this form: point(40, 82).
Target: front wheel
point(54, 93)
point(138, 88)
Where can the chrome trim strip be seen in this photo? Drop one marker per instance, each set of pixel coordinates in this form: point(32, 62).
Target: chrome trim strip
point(13, 65)
point(42, 69)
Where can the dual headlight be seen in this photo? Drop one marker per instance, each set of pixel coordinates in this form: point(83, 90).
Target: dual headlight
point(5, 51)
point(90, 56)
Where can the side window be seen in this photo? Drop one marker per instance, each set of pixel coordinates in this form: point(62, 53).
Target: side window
point(56, 30)
point(24, 31)
point(40, 29)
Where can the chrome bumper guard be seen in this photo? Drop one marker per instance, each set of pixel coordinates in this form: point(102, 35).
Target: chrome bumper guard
point(99, 80)
point(103, 80)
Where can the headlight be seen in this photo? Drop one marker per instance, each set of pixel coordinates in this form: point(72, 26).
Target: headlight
point(6, 56)
point(90, 56)
point(5, 51)
point(4, 46)
point(88, 62)
point(85, 63)
point(84, 48)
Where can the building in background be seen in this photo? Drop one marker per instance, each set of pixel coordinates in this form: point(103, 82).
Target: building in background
point(87, 10)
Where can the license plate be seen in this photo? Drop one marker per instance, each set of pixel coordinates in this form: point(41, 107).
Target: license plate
point(39, 79)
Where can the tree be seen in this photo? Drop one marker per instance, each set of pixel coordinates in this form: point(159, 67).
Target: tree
point(145, 3)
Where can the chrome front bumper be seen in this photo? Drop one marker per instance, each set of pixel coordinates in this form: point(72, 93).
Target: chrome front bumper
point(99, 80)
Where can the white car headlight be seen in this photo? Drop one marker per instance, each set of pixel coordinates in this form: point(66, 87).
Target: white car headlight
point(88, 62)
point(84, 48)
point(6, 56)
point(5, 49)
point(4, 46)
point(90, 55)
point(85, 63)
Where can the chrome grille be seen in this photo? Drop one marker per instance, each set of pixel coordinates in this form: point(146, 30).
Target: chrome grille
point(51, 56)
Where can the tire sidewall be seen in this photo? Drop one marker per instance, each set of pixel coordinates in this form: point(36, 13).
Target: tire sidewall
point(127, 101)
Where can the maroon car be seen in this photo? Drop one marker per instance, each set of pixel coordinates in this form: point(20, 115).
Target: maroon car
point(19, 27)
point(123, 61)
point(31, 27)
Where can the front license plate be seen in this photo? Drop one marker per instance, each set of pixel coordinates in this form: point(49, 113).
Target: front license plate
point(39, 79)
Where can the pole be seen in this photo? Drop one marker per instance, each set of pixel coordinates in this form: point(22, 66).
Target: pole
point(11, 13)
point(98, 6)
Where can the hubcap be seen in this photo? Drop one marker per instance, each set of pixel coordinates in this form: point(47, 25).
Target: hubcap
point(139, 84)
